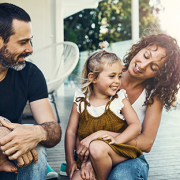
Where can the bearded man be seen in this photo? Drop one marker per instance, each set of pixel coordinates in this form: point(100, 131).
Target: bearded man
point(22, 81)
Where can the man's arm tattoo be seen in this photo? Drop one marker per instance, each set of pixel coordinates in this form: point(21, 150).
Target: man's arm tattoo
point(53, 131)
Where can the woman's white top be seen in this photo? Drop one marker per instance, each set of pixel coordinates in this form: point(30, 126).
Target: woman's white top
point(139, 107)
point(116, 105)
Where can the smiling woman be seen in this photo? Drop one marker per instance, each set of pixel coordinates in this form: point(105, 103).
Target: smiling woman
point(148, 61)
point(167, 78)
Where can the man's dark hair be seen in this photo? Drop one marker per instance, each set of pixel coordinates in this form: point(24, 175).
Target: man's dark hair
point(8, 12)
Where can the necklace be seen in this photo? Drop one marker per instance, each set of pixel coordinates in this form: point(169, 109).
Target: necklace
point(3, 76)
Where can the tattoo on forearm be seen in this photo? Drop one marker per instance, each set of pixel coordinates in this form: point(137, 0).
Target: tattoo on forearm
point(53, 131)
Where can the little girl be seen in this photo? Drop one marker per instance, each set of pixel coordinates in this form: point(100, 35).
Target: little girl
point(100, 105)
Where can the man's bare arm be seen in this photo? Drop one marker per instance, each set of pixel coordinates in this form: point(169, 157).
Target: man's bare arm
point(23, 138)
point(45, 118)
point(53, 133)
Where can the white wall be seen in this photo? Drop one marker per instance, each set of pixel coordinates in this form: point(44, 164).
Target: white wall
point(47, 17)
point(39, 11)
point(47, 20)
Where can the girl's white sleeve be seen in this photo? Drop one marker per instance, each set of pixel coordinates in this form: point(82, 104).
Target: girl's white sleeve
point(77, 94)
point(118, 104)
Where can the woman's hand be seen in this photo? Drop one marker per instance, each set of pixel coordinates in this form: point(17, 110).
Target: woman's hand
point(87, 172)
point(108, 137)
point(82, 150)
point(70, 168)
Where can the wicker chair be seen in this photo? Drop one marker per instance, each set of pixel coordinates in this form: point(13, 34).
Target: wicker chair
point(56, 61)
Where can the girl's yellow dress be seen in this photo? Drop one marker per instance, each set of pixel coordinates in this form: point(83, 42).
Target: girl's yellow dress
point(108, 121)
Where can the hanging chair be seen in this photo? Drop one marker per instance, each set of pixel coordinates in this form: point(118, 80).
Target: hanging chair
point(56, 61)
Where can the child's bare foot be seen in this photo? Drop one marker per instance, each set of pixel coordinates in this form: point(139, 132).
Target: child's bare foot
point(7, 166)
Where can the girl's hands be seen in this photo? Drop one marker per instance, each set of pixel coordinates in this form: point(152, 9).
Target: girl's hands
point(70, 168)
point(87, 172)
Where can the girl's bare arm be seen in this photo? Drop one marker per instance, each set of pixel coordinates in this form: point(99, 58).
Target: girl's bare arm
point(70, 140)
point(134, 125)
point(145, 140)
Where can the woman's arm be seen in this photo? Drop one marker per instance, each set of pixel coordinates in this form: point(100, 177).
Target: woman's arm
point(145, 140)
point(70, 140)
point(134, 125)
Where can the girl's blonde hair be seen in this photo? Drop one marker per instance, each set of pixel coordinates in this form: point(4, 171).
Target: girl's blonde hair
point(94, 64)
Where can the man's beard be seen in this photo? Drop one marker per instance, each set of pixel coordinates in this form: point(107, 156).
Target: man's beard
point(7, 59)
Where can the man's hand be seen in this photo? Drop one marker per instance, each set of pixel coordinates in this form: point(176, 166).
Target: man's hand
point(4, 131)
point(20, 140)
point(27, 158)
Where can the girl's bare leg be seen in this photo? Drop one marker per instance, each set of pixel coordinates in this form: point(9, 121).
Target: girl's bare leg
point(6, 165)
point(103, 158)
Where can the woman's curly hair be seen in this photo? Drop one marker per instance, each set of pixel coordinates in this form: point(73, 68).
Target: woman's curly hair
point(166, 83)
